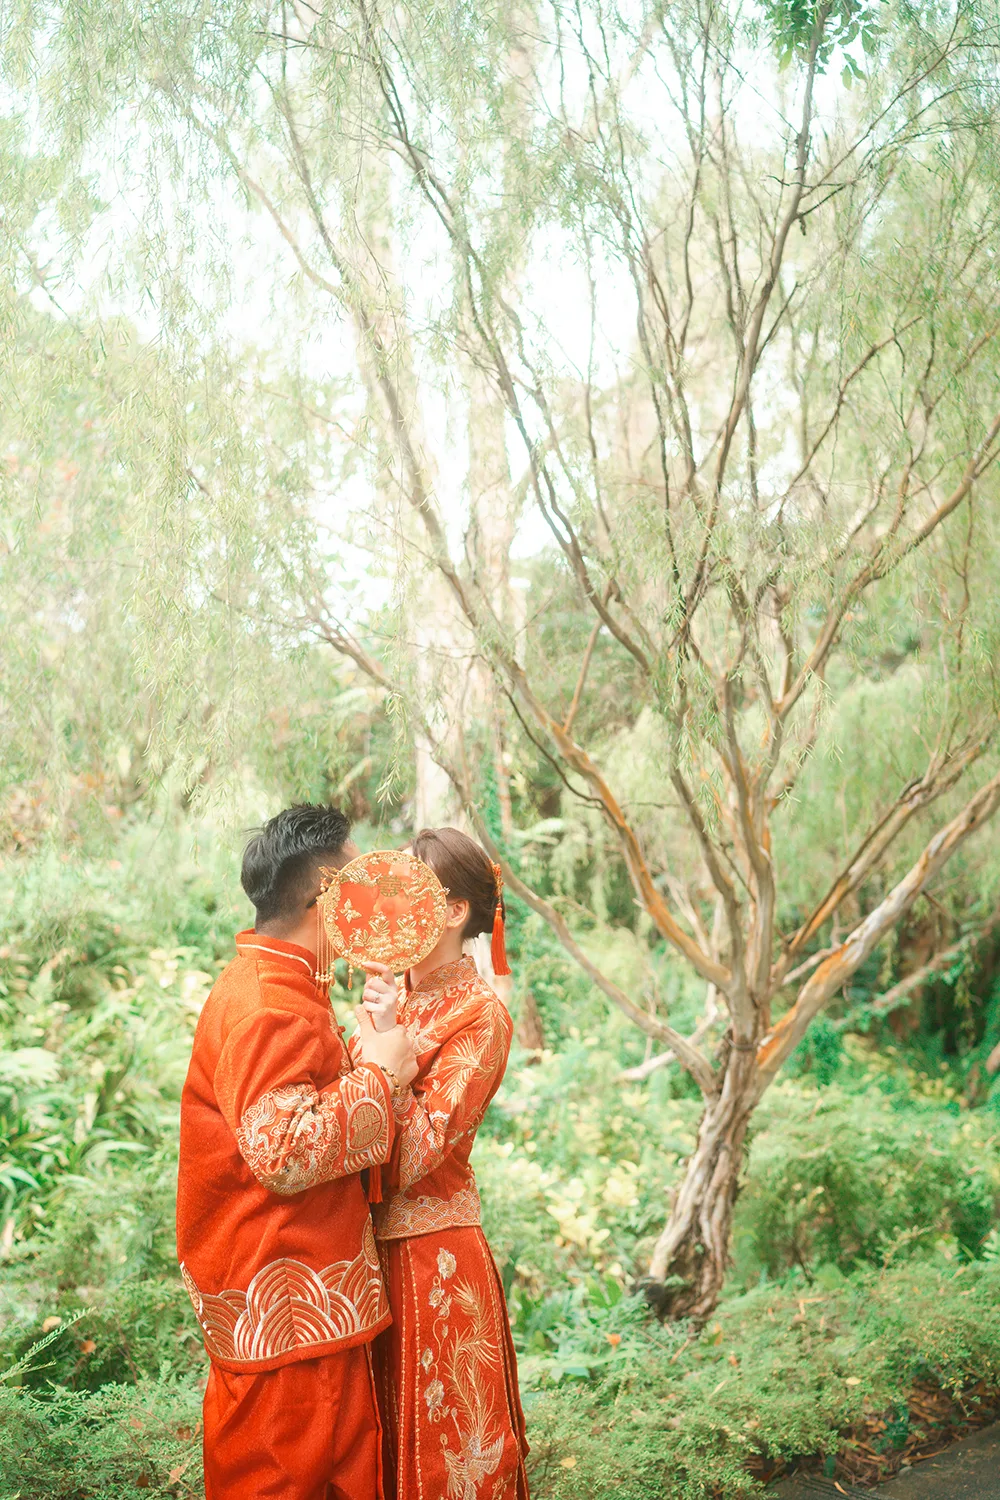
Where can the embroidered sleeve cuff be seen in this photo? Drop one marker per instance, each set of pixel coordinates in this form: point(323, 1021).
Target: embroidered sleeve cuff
point(402, 1103)
point(380, 1089)
point(295, 1137)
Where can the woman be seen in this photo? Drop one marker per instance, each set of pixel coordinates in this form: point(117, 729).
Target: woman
point(446, 1370)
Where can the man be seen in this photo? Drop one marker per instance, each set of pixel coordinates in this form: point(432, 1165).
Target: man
point(273, 1229)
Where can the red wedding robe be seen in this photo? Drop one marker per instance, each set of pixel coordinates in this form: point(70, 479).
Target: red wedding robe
point(446, 1368)
point(274, 1233)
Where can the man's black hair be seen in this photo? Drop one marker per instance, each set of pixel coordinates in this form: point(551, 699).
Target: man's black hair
point(281, 860)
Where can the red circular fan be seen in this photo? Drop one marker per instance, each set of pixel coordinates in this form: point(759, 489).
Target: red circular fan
point(386, 907)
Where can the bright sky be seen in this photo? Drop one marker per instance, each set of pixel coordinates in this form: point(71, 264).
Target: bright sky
point(264, 309)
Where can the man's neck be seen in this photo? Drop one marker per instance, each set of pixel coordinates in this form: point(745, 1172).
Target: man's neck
point(302, 934)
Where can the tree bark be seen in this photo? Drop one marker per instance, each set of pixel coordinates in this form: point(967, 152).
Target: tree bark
point(690, 1259)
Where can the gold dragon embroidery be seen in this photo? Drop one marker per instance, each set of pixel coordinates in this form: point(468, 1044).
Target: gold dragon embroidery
point(291, 1138)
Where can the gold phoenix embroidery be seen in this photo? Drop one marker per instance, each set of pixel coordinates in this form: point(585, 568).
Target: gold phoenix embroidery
point(454, 1394)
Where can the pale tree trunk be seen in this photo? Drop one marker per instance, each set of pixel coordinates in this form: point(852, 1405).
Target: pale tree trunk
point(456, 687)
point(493, 522)
point(691, 1256)
point(442, 651)
point(690, 1259)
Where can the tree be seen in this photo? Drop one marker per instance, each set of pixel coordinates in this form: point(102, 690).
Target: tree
point(780, 480)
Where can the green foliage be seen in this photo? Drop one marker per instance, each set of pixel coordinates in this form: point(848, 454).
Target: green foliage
point(896, 1253)
point(841, 1178)
point(120, 1441)
point(803, 28)
point(782, 1370)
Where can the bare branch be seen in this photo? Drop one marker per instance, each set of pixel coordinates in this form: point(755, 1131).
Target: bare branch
point(884, 558)
point(584, 668)
point(752, 351)
point(936, 780)
point(965, 946)
point(833, 972)
point(685, 1050)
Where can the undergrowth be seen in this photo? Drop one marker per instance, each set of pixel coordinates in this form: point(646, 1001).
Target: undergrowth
point(866, 1253)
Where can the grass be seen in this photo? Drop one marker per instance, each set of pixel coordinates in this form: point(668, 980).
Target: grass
point(861, 1321)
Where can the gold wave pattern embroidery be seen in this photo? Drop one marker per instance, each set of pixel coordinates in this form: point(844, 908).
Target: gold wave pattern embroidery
point(288, 1306)
point(400, 1217)
point(291, 1137)
point(422, 1138)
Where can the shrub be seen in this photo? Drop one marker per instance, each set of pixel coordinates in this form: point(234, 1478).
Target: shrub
point(849, 1178)
point(119, 1441)
point(782, 1371)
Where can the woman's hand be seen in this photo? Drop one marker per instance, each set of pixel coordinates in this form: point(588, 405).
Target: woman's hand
point(387, 1049)
point(379, 998)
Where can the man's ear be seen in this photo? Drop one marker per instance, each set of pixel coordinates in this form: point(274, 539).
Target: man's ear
point(457, 914)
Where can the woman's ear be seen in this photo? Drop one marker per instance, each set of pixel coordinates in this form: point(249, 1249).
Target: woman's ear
point(457, 914)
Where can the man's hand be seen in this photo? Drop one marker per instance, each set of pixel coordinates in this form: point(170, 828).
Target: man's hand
point(387, 1049)
point(379, 998)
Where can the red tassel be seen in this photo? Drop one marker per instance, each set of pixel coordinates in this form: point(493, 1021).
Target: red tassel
point(375, 1184)
point(498, 947)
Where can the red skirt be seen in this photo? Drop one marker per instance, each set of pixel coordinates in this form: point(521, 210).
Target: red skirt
point(446, 1373)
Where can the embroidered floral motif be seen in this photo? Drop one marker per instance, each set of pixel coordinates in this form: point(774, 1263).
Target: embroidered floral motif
point(455, 1394)
point(290, 1137)
point(290, 1306)
point(456, 974)
point(446, 1263)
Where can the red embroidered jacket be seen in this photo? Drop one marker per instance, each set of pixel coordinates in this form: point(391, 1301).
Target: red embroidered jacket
point(273, 1228)
point(462, 1036)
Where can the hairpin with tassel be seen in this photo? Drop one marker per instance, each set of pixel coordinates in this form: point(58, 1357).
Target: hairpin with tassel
point(498, 946)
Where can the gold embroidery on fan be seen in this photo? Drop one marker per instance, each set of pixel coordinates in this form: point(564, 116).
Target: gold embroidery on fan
point(397, 938)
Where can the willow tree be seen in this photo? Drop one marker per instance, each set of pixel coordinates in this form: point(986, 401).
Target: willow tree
point(771, 442)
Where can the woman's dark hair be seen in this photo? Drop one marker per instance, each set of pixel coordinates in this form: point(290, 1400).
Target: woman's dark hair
point(466, 872)
point(281, 862)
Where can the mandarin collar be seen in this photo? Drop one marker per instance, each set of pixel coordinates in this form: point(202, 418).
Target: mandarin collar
point(272, 947)
point(438, 979)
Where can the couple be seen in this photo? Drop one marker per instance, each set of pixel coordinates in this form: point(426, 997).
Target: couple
point(358, 1350)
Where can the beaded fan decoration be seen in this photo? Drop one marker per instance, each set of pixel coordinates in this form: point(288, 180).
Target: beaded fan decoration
point(386, 907)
